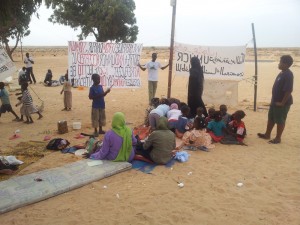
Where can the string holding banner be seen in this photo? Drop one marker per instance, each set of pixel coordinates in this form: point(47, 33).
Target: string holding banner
point(116, 63)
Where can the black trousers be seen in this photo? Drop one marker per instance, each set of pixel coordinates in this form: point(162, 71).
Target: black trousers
point(29, 75)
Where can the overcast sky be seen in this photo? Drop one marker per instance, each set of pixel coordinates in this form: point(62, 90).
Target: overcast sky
point(213, 22)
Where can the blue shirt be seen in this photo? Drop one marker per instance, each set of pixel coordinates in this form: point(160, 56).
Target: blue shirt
point(4, 97)
point(98, 103)
point(181, 124)
point(283, 83)
point(216, 127)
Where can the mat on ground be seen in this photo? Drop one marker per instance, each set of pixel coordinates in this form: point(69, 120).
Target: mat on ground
point(27, 189)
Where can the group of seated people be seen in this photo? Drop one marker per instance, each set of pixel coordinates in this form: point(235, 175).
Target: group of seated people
point(168, 119)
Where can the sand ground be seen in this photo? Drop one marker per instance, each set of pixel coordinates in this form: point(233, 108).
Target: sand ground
point(270, 173)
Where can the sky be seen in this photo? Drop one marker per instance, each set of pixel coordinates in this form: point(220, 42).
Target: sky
point(198, 22)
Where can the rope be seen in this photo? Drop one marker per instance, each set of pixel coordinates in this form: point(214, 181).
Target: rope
point(36, 94)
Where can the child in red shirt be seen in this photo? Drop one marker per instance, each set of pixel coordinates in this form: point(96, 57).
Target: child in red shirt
point(237, 126)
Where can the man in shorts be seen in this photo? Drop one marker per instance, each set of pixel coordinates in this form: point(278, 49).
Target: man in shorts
point(281, 100)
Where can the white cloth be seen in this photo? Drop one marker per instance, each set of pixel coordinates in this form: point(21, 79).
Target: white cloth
point(27, 62)
point(153, 70)
point(173, 114)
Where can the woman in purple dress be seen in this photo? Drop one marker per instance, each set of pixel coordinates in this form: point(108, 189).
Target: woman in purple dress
point(118, 143)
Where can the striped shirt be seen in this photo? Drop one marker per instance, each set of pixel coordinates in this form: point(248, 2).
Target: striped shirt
point(26, 98)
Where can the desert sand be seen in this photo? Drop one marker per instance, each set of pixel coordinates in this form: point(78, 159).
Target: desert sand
point(270, 173)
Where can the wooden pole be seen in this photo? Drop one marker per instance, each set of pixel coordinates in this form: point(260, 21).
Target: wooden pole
point(255, 74)
point(173, 3)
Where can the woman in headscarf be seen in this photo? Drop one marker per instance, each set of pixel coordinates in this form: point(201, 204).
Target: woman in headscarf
point(118, 143)
point(195, 88)
point(160, 143)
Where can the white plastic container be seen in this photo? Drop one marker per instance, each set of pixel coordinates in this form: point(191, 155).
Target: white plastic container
point(76, 125)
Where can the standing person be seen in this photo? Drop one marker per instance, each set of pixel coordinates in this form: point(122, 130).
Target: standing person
point(22, 76)
point(281, 100)
point(6, 106)
point(29, 71)
point(152, 67)
point(67, 86)
point(97, 94)
point(28, 107)
point(195, 88)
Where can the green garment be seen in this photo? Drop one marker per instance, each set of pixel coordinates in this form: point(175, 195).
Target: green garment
point(119, 127)
point(162, 141)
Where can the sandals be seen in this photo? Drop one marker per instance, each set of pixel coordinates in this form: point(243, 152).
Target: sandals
point(262, 136)
point(274, 141)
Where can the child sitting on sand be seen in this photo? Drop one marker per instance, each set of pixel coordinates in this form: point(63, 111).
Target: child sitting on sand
point(197, 137)
point(226, 117)
point(216, 127)
point(200, 113)
point(183, 124)
point(211, 112)
point(237, 126)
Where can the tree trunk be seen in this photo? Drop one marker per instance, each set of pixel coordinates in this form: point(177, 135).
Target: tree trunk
point(11, 50)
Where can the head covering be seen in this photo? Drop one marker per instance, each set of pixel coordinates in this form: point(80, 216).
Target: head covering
point(119, 127)
point(173, 106)
point(162, 124)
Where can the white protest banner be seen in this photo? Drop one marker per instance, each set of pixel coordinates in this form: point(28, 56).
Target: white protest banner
point(222, 63)
point(116, 63)
point(7, 67)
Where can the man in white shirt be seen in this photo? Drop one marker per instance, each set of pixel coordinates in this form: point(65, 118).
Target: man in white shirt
point(29, 71)
point(152, 67)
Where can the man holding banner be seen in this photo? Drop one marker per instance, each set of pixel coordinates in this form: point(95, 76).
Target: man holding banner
point(152, 67)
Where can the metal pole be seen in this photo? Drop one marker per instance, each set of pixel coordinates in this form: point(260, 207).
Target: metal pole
point(255, 74)
point(173, 3)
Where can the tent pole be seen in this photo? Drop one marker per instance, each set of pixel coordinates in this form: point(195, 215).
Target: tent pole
point(173, 3)
point(255, 74)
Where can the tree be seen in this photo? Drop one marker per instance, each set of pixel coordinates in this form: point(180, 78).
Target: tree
point(112, 20)
point(15, 16)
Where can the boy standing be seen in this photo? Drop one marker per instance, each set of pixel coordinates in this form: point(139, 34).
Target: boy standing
point(98, 106)
point(6, 106)
point(281, 100)
point(152, 67)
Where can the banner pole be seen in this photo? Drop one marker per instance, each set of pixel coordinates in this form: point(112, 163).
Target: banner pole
point(173, 3)
point(255, 74)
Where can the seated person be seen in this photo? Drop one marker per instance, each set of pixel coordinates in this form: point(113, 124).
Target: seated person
point(173, 115)
point(48, 78)
point(216, 127)
point(200, 113)
point(197, 137)
point(118, 143)
point(159, 111)
point(183, 123)
point(236, 128)
point(226, 117)
point(160, 143)
point(154, 103)
point(211, 112)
